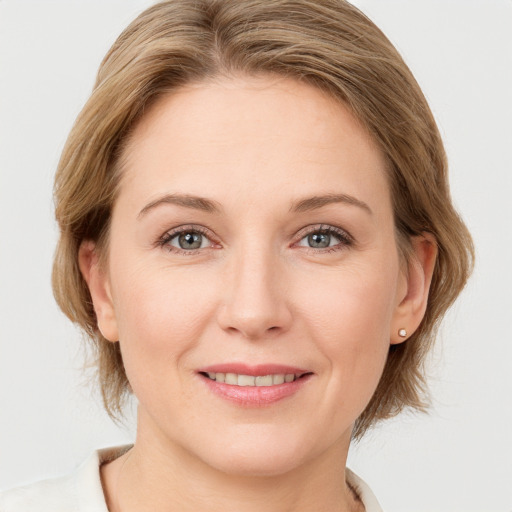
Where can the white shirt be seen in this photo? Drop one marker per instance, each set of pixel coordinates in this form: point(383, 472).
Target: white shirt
point(81, 491)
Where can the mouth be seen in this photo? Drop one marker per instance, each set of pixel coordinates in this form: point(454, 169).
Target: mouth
point(242, 380)
point(254, 386)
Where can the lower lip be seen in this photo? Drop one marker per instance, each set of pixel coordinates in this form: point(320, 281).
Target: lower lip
point(255, 396)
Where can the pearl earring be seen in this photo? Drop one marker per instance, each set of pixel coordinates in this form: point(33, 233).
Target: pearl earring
point(402, 333)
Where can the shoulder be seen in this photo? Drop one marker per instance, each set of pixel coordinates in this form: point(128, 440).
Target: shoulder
point(57, 494)
point(364, 492)
point(80, 491)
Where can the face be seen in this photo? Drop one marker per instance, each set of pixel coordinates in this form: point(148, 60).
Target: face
point(253, 279)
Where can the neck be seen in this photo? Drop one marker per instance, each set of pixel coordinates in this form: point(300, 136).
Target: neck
point(159, 477)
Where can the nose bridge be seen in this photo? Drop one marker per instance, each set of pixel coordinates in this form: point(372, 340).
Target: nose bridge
point(255, 301)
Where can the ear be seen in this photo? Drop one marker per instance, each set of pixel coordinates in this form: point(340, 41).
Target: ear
point(413, 293)
point(99, 287)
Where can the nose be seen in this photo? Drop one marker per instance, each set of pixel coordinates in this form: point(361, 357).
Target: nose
point(255, 299)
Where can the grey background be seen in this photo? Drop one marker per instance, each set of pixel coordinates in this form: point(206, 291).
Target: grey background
point(458, 458)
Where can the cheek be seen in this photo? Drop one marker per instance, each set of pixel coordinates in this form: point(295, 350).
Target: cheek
point(350, 321)
point(351, 306)
point(161, 314)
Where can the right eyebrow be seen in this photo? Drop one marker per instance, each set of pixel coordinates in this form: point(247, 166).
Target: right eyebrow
point(186, 201)
point(317, 202)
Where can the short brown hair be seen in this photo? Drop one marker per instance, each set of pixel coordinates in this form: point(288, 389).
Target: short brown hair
point(327, 43)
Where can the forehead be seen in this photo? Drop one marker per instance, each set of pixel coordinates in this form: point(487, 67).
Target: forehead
point(253, 138)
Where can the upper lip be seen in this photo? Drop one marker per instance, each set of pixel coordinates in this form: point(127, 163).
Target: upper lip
point(253, 370)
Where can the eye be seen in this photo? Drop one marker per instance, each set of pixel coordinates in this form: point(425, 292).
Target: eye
point(320, 240)
point(185, 239)
point(188, 240)
point(326, 237)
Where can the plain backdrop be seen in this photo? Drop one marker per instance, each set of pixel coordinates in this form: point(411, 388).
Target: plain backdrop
point(457, 458)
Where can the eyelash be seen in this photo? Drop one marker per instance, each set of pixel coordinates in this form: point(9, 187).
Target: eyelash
point(345, 239)
point(167, 237)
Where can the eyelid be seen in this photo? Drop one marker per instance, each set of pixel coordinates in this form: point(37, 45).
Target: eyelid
point(164, 240)
point(346, 239)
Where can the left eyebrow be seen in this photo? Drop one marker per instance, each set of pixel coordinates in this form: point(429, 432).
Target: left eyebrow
point(316, 202)
point(185, 201)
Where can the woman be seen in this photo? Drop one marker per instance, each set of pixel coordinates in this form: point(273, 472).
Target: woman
point(257, 234)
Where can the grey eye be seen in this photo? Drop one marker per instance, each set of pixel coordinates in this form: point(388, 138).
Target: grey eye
point(189, 240)
point(324, 238)
point(319, 240)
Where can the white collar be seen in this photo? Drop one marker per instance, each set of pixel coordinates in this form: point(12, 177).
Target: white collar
point(90, 497)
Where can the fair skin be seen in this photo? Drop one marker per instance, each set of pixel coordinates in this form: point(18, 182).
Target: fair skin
point(262, 275)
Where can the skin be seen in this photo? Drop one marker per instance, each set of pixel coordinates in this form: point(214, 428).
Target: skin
point(254, 292)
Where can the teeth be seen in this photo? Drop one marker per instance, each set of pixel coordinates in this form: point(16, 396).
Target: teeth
point(265, 380)
point(231, 378)
point(249, 380)
point(278, 379)
point(246, 380)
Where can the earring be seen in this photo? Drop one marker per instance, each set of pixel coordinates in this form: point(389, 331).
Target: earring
point(402, 333)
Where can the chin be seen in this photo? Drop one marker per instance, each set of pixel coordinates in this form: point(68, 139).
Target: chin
point(257, 465)
point(265, 456)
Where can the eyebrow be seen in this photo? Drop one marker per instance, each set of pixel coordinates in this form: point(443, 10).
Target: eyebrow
point(210, 206)
point(187, 201)
point(316, 202)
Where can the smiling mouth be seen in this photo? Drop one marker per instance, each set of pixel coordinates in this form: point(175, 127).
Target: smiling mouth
point(235, 379)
